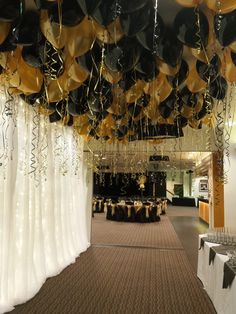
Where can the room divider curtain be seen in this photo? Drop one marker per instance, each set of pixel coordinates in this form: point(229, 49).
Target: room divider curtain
point(45, 200)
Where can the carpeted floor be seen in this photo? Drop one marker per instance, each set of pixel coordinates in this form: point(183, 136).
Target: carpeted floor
point(130, 268)
point(158, 235)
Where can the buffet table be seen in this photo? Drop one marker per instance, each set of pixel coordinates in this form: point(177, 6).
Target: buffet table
point(204, 209)
point(212, 271)
point(183, 201)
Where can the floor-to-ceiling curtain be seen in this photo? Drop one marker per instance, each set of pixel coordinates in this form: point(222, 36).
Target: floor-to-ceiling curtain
point(45, 200)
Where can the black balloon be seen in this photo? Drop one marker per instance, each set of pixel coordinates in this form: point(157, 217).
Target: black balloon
point(147, 39)
point(185, 25)
point(52, 60)
point(32, 98)
point(128, 80)
point(188, 98)
point(54, 117)
point(31, 56)
point(70, 121)
point(169, 48)
point(218, 88)
point(144, 100)
point(89, 6)
point(26, 32)
point(146, 67)
point(105, 13)
point(167, 106)
point(10, 10)
point(121, 131)
point(225, 24)
point(181, 121)
point(181, 76)
point(233, 57)
point(123, 56)
point(71, 13)
point(57, 106)
point(135, 22)
point(43, 4)
point(91, 59)
point(77, 104)
point(131, 6)
point(8, 45)
point(210, 70)
point(134, 110)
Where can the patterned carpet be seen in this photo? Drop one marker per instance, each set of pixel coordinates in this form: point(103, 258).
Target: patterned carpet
point(110, 279)
point(157, 235)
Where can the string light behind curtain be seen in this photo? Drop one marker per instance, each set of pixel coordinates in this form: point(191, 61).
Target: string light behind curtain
point(45, 196)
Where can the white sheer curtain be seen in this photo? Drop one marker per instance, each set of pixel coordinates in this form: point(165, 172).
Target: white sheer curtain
point(45, 201)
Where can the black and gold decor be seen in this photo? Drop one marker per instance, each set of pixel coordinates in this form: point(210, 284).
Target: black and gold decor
point(119, 70)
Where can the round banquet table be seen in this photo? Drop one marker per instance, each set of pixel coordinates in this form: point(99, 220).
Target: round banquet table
point(136, 212)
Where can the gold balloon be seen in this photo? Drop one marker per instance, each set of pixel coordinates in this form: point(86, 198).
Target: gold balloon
point(194, 82)
point(111, 77)
point(4, 30)
point(233, 46)
point(154, 86)
point(228, 68)
point(135, 92)
point(74, 70)
point(54, 91)
point(80, 38)
point(56, 34)
point(167, 69)
point(165, 90)
point(151, 111)
point(225, 5)
point(110, 35)
point(31, 79)
point(79, 121)
point(189, 3)
point(118, 106)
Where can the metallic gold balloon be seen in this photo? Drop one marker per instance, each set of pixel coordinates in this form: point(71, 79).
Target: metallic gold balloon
point(31, 79)
point(81, 38)
point(111, 77)
point(228, 69)
point(167, 69)
point(225, 5)
point(189, 3)
point(135, 92)
point(4, 30)
point(194, 82)
point(56, 34)
point(74, 70)
point(110, 35)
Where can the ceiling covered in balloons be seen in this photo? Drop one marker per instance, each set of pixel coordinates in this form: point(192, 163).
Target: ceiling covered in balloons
point(121, 70)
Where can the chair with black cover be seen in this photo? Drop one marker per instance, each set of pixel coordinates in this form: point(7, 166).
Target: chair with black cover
point(109, 212)
point(119, 213)
point(141, 214)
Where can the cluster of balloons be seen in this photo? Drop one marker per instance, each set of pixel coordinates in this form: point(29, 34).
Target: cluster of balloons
point(114, 69)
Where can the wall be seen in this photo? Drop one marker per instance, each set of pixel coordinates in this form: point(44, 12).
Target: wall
point(195, 187)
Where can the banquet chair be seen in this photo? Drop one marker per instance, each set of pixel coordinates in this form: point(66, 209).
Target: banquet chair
point(141, 214)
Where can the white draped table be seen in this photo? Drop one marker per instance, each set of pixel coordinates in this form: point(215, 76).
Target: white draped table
point(212, 275)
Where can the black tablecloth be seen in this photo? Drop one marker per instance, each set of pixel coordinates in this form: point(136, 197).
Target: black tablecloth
point(183, 201)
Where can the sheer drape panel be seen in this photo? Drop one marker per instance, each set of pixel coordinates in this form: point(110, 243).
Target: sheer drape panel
point(45, 201)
